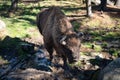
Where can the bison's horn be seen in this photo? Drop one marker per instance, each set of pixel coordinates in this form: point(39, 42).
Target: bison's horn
point(62, 41)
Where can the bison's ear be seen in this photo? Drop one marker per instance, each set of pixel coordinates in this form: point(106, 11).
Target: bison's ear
point(62, 40)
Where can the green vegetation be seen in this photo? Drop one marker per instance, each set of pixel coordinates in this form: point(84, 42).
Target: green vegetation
point(76, 25)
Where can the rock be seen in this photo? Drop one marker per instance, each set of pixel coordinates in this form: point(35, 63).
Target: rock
point(111, 71)
point(28, 48)
point(2, 25)
point(41, 61)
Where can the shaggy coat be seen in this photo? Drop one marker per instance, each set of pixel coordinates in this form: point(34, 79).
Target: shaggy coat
point(58, 34)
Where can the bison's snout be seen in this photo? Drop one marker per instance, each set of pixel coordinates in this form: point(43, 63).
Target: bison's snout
point(75, 53)
point(74, 58)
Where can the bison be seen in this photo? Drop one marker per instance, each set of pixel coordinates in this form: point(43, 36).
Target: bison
point(58, 34)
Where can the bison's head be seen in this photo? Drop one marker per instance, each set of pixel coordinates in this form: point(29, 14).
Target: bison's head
point(72, 45)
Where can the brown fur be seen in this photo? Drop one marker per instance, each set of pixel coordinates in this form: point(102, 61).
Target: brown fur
point(55, 28)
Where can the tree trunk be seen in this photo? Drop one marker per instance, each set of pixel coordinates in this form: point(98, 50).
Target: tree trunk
point(13, 5)
point(89, 8)
point(118, 3)
point(103, 5)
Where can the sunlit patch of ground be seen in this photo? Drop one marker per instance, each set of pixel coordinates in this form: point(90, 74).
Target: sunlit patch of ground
point(99, 20)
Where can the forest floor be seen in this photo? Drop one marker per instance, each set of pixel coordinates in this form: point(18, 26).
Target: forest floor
point(20, 40)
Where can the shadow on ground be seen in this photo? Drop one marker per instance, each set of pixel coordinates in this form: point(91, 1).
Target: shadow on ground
point(13, 47)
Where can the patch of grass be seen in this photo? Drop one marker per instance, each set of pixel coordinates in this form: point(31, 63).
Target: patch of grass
point(104, 44)
point(97, 32)
point(87, 45)
point(113, 52)
point(110, 36)
point(59, 3)
point(75, 64)
point(91, 23)
point(76, 25)
point(98, 38)
point(103, 21)
point(98, 48)
point(17, 27)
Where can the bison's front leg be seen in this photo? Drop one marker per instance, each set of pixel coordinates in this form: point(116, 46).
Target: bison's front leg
point(65, 65)
point(66, 68)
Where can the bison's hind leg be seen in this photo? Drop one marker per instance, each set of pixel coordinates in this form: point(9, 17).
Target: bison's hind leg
point(50, 50)
point(65, 65)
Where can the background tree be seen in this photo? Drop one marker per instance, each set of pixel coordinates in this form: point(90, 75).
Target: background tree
point(89, 8)
point(103, 5)
point(13, 6)
point(117, 3)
